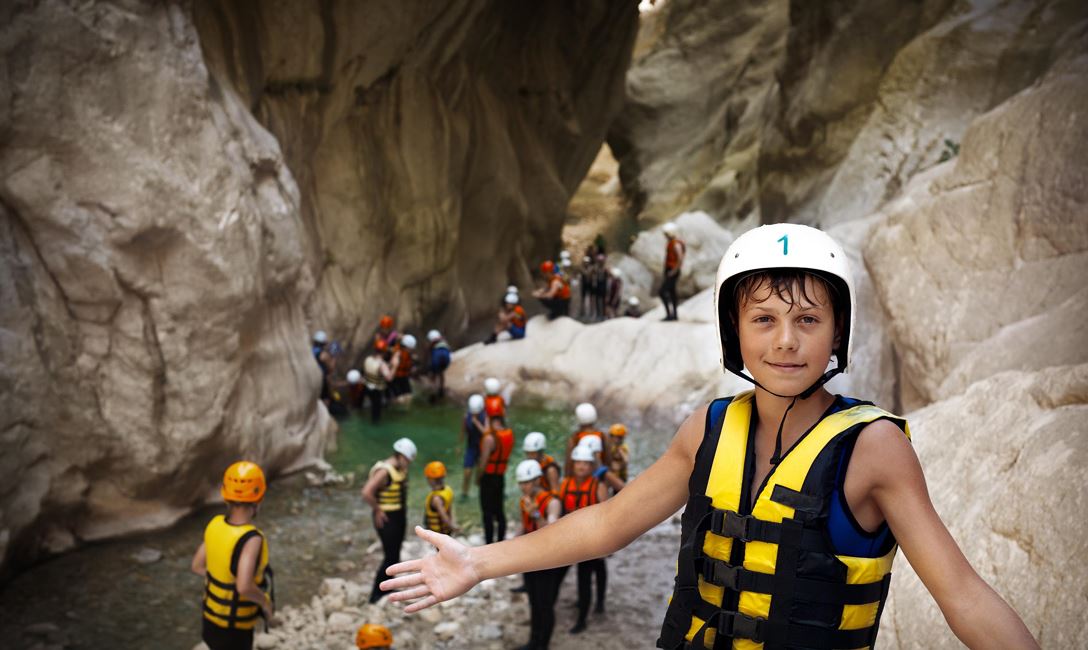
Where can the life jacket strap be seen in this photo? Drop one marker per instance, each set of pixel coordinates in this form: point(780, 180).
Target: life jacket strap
point(773, 634)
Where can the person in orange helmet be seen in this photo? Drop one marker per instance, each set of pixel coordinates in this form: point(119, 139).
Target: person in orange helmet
point(556, 295)
point(233, 560)
point(386, 331)
point(373, 637)
point(438, 507)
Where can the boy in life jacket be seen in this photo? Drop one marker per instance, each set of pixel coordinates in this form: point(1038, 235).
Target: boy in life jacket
point(539, 508)
point(797, 499)
point(494, 404)
point(620, 455)
point(401, 385)
point(438, 506)
point(675, 249)
point(511, 319)
point(601, 471)
point(533, 447)
point(386, 492)
point(586, 415)
point(472, 430)
point(556, 295)
point(495, 448)
point(440, 361)
point(233, 560)
point(377, 374)
point(581, 490)
point(373, 637)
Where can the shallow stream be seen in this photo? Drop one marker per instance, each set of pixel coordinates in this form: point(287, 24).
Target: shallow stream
point(101, 597)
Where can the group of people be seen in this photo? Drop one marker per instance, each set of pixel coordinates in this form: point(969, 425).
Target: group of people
point(389, 364)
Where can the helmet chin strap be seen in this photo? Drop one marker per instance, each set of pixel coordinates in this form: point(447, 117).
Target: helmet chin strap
point(776, 457)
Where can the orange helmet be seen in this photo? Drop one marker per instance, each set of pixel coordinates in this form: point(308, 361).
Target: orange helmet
point(547, 266)
point(434, 469)
point(373, 636)
point(386, 322)
point(243, 482)
point(380, 345)
point(618, 430)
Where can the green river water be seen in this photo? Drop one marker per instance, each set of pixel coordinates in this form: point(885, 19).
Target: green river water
point(99, 597)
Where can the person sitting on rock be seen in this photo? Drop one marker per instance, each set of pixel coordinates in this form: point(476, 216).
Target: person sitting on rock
point(403, 363)
point(386, 492)
point(534, 445)
point(385, 331)
point(377, 373)
point(796, 499)
point(511, 319)
point(580, 490)
point(440, 361)
point(556, 295)
point(373, 637)
point(438, 506)
point(539, 508)
point(633, 310)
point(233, 560)
point(472, 430)
point(675, 249)
point(495, 448)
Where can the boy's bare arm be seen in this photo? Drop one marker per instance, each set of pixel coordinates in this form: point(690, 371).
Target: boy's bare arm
point(977, 615)
point(199, 565)
point(247, 568)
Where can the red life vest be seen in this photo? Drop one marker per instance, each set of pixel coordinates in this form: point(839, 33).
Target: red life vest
point(404, 368)
point(564, 287)
point(540, 506)
point(578, 495)
point(504, 444)
point(518, 319)
point(495, 405)
point(672, 257)
point(547, 461)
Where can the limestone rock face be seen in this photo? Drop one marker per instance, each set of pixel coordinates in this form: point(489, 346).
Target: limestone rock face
point(986, 269)
point(436, 144)
point(152, 278)
point(1004, 463)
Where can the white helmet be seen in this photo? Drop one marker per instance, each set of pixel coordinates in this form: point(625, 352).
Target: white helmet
point(593, 442)
point(511, 299)
point(512, 289)
point(669, 229)
point(780, 246)
point(616, 273)
point(585, 413)
point(406, 448)
point(492, 386)
point(475, 404)
point(354, 376)
point(565, 263)
point(409, 341)
point(564, 255)
point(433, 335)
point(582, 452)
point(633, 301)
point(534, 441)
point(527, 470)
point(321, 337)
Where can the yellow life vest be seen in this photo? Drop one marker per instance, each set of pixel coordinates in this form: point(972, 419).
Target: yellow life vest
point(392, 497)
point(617, 464)
point(768, 577)
point(431, 519)
point(223, 544)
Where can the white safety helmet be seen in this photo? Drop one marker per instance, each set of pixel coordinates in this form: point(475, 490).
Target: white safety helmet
point(534, 441)
point(409, 341)
point(512, 289)
point(527, 470)
point(321, 337)
point(582, 452)
point(565, 263)
point(475, 404)
point(616, 273)
point(406, 448)
point(433, 335)
point(593, 442)
point(780, 246)
point(492, 386)
point(354, 376)
point(585, 413)
point(633, 301)
point(564, 255)
point(669, 229)
point(511, 299)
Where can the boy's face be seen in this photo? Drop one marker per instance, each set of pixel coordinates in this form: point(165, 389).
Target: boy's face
point(616, 440)
point(435, 483)
point(534, 455)
point(583, 468)
point(527, 487)
point(787, 347)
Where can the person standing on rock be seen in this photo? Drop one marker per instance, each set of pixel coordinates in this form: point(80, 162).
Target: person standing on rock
point(440, 361)
point(675, 249)
point(586, 415)
point(796, 499)
point(325, 362)
point(556, 296)
point(233, 560)
point(539, 508)
point(580, 490)
point(386, 492)
point(402, 369)
point(614, 294)
point(495, 448)
point(472, 430)
point(376, 376)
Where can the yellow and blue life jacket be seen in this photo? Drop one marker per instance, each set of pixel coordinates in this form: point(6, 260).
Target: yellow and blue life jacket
point(431, 520)
point(223, 544)
point(394, 495)
point(769, 575)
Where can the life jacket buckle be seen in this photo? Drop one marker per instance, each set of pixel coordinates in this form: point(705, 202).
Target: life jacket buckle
point(737, 625)
point(721, 574)
point(730, 524)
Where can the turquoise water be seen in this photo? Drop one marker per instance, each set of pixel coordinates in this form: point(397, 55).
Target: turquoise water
point(99, 597)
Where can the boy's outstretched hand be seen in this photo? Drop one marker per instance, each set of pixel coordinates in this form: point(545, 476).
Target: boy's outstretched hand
point(435, 578)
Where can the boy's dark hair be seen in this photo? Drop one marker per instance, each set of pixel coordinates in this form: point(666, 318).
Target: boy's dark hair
point(500, 419)
point(791, 286)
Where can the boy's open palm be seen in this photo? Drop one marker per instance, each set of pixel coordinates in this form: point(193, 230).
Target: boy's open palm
point(435, 578)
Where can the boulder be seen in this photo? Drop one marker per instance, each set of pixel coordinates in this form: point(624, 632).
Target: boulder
point(705, 241)
point(1004, 462)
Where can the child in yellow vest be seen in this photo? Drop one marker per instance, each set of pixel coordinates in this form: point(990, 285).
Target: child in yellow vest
point(619, 454)
point(796, 499)
point(438, 507)
point(233, 559)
